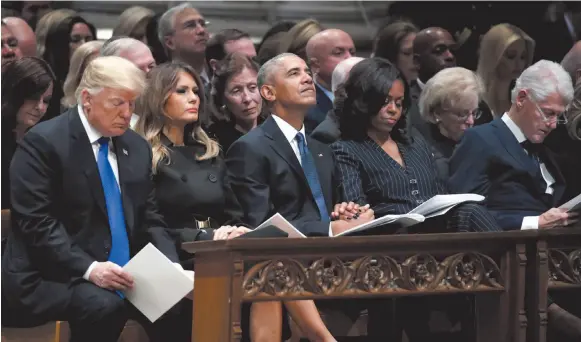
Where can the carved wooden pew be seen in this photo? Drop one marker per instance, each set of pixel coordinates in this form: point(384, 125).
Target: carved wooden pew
point(555, 264)
point(489, 265)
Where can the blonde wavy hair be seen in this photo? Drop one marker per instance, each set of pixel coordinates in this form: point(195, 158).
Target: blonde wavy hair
point(132, 21)
point(574, 115)
point(492, 47)
point(79, 61)
point(162, 82)
point(296, 39)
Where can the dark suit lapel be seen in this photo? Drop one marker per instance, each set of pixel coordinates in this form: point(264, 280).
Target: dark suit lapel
point(324, 172)
point(513, 147)
point(82, 151)
point(282, 147)
point(323, 101)
point(124, 164)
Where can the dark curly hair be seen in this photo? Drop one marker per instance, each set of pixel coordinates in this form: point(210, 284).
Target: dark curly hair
point(361, 97)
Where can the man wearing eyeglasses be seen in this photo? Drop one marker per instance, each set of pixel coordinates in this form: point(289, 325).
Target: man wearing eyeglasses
point(506, 161)
point(182, 32)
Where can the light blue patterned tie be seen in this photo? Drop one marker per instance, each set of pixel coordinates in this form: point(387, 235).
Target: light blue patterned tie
point(119, 240)
point(312, 177)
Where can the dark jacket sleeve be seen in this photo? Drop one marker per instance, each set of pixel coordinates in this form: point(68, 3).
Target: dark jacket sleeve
point(34, 172)
point(155, 227)
point(246, 176)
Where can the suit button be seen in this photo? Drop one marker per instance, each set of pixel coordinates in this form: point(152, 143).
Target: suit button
point(415, 192)
point(413, 181)
point(212, 178)
point(184, 178)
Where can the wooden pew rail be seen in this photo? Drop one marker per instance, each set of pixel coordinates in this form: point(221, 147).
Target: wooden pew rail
point(489, 265)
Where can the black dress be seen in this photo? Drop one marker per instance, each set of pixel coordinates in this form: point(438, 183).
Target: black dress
point(225, 132)
point(192, 197)
point(190, 193)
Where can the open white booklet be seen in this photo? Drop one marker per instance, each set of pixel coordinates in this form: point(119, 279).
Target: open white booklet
point(441, 204)
point(573, 205)
point(435, 206)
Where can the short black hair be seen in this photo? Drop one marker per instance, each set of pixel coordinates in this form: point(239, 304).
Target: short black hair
point(361, 97)
point(215, 47)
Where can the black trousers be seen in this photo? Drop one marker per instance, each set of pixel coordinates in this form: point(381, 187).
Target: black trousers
point(99, 315)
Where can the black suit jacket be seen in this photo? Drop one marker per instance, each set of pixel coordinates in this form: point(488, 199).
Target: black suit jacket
point(490, 161)
point(316, 114)
point(328, 131)
point(59, 217)
point(266, 177)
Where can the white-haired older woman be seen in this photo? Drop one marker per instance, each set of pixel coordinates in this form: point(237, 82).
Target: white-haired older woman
point(79, 61)
point(450, 104)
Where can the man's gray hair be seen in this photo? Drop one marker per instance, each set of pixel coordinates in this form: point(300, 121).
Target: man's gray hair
point(118, 46)
point(166, 24)
point(543, 79)
point(267, 69)
point(341, 71)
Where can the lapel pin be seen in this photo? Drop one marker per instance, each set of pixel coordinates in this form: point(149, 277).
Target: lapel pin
point(125, 152)
point(320, 154)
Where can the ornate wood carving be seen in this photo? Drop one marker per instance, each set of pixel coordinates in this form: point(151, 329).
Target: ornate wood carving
point(372, 274)
point(564, 267)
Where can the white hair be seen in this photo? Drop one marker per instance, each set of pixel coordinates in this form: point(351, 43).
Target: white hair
point(543, 79)
point(118, 46)
point(450, 88)
point(266, 70)
point(110, 72)
point(166, 24)
point(341, 71)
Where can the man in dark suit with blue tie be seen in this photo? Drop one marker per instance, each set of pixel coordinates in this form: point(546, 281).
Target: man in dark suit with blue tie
point(505, 161)
point(82, 205)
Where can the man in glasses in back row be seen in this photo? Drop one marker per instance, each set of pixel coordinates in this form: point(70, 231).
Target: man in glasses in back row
point(506, 162)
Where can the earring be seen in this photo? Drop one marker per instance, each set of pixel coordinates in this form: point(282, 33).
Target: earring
point(223, 108)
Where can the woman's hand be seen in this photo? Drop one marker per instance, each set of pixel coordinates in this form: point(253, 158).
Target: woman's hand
point(229, 232)
point(348, 211)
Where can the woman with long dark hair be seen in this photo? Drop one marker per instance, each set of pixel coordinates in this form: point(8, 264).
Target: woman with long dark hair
point(27, 86)
point(62, 39)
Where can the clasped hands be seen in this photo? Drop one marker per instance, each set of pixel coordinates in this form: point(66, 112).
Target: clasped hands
point(348, 215)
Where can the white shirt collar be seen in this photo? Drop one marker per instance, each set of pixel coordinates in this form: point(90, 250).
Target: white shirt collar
point(289, 131)
point(420, 84)
point(92, 133)
point(516, 131)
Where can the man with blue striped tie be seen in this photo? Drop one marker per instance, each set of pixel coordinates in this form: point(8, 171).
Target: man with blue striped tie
point(82, 205)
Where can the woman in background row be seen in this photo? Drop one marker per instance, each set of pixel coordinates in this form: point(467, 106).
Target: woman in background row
point(27, 86)
point(449, 103)
point(236, 102)
point(81, 58)
point(133, 23)
point(62, 39)
point(504, 52)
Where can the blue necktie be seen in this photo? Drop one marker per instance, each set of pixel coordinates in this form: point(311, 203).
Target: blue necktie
point(312, 177)
point(119, 241)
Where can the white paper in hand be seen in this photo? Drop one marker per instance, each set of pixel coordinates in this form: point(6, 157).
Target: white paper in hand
point(441, 204)
point(158, 285)
point(573, 205)
point(281, 223)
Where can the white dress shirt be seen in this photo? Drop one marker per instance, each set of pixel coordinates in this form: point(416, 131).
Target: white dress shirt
point(530, 222)
point(291, 135)
point(94, 136)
